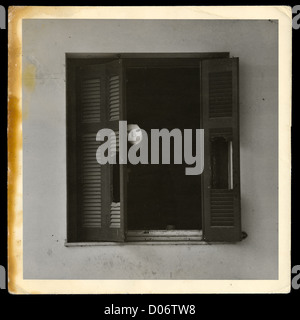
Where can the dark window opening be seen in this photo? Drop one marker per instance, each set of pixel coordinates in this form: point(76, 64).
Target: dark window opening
point(161, 196)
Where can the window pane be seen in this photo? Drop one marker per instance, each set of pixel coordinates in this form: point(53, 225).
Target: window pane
point(162, 196)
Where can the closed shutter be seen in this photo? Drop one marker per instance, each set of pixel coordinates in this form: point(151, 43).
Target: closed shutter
point(221, 180)
point(99, 104)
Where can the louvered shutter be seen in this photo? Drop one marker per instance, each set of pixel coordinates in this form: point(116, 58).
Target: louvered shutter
point(222, 210)
point(99, 106)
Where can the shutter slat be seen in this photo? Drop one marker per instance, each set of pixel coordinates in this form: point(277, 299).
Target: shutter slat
point(115, 215)
point(220, 94)
point(114, 98)
point(91, 196)
point(221, 215)
point(90, 99)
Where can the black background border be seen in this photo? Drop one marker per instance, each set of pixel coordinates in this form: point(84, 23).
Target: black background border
point(143, 300)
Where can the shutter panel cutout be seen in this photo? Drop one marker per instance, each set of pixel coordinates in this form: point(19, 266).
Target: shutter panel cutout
point(221, 176)
point(100, 219)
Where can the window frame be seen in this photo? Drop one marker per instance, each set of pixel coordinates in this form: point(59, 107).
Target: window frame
point(74, 60)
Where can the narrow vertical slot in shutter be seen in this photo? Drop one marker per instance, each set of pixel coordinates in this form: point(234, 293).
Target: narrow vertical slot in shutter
point(221, 177)
point(115, 209)
point(114, 77)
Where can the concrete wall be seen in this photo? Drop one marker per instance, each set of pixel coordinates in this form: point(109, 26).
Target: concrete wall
point(45, 43)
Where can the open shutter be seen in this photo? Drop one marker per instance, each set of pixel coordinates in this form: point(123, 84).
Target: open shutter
point(221, 180)
point(99, 106)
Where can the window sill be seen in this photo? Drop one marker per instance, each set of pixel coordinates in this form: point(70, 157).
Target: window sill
point(164, 235)
point(151, 237)
point(134, 243)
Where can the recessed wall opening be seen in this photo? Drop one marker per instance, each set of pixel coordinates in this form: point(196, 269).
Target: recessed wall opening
point(162, 200)
point(162, 196)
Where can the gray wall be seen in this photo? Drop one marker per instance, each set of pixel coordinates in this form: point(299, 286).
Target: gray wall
point(45, 43)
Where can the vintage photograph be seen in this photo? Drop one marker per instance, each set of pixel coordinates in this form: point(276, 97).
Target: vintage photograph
point(150, 149)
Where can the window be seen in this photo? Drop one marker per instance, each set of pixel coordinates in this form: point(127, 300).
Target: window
point(140, 202)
